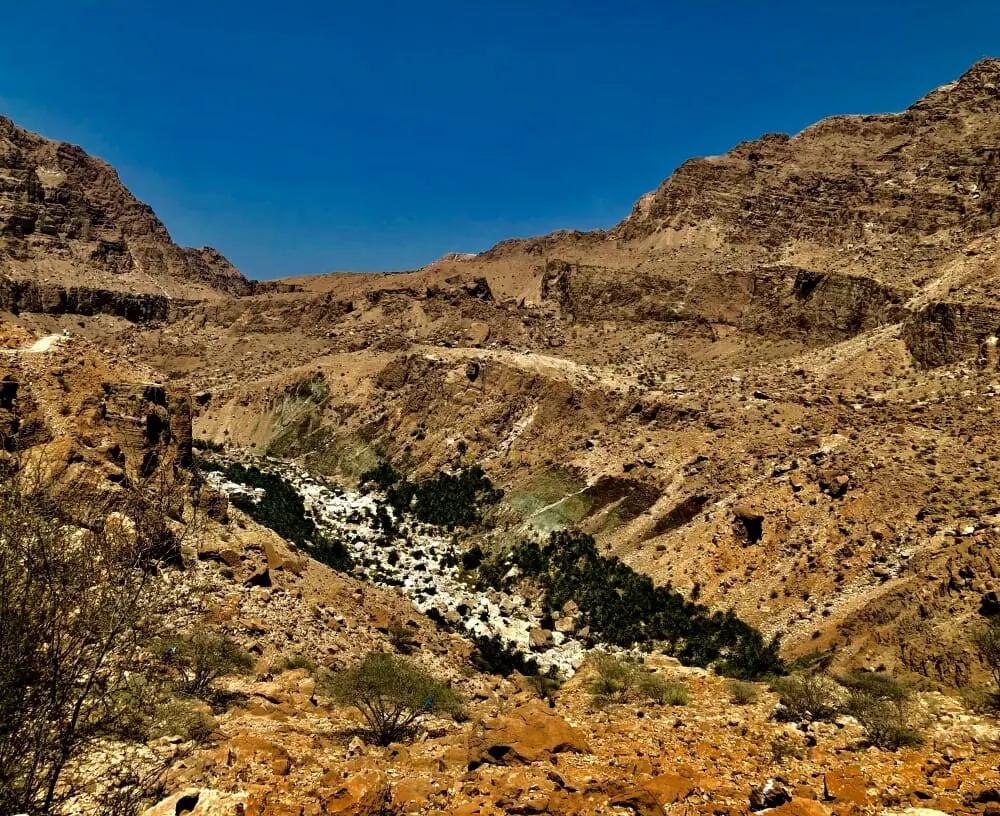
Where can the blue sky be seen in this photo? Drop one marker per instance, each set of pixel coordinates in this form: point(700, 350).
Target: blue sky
point(302, 137)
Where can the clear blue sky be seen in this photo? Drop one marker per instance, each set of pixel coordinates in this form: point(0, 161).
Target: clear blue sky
point(314, 136)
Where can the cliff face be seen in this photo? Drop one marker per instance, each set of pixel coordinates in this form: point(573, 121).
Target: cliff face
point(66, 218)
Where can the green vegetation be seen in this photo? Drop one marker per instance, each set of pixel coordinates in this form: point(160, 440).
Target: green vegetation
point(206, 445)
point(494, 655)
point(445, 500)
point(620, 679)
point(393, 694)
point(199, 660)
point(882, 705)
point(281, 508)
point(806, 697)
point(624, 608)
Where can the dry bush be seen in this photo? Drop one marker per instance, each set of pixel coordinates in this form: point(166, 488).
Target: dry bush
point(78, 598)
point(662, 691)
point(743, 693)
point(805, 697)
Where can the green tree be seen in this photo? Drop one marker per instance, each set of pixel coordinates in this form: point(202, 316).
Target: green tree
point(393, 695)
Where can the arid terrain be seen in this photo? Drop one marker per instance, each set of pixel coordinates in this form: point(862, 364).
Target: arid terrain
point(774, 388)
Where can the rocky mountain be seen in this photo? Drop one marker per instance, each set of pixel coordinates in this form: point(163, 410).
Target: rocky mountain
point(67, 221)
point(772, 388)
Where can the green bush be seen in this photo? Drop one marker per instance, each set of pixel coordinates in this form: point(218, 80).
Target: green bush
point(886, 722)
point(882, 706)
point(743, 693)
point(662, 691)
point(201, 659)
point(614, 680)
point(393, 694)
point(805, 697)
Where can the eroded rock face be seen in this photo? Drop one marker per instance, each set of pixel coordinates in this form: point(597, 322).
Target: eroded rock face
point(943, 332)
point(67, 213)
point(822, 307)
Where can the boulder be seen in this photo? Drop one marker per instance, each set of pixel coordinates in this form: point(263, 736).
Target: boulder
point(530, 733)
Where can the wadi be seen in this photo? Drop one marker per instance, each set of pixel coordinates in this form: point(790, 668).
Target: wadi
point(697, 514)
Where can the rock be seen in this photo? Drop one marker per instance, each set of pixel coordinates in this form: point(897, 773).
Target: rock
point(770, 795)
point(529, 733)
point(846, 784)
point(540, 639)
point(669, 788)
point(199, 802)
point(797, 806)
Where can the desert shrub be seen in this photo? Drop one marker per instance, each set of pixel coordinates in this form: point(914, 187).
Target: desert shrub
point(625, 608)
point(986, 639)
point(78, 597)
point(494, 655)
point(785, 747)
point(393, 694)
point(200, 659)
point(882, 706)
point(180, 717)
point(614, 677)
point(886, 723)
point(743, 693)
point(294, 662)
point(805, 697)
point(206, 445)
point(874, 684)
point(660, 690)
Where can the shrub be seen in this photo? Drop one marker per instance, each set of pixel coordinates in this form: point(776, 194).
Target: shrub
point(784, 747)
point(201, 659)
point(78, 595)
point(986, 639)
point(393, 694)
point(662, 691)
point(614, 680)
point(881, 705)
point(743, 693)
point(886, 722)
point(291, 663)
point(874, 684)
point(805, 697)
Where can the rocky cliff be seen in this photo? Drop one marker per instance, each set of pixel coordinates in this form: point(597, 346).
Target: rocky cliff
point(66, 218)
